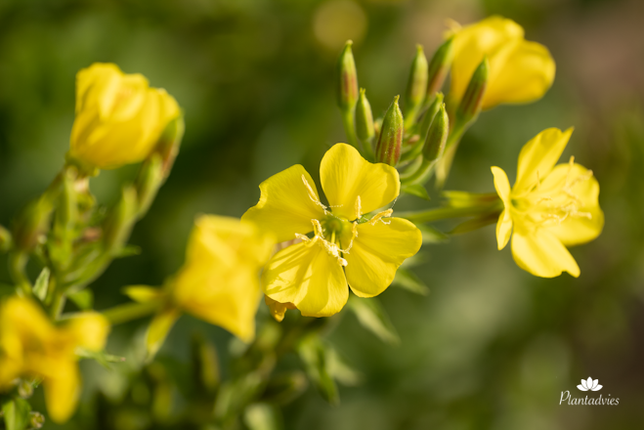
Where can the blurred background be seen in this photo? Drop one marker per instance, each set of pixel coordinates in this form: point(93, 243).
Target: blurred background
point(490, 346)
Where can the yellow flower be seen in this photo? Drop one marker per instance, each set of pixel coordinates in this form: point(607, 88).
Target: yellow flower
point(219, 282)
point(519, 72)
point(549, 207)
point(344, 246)
point(32, 347)
point(119, 118)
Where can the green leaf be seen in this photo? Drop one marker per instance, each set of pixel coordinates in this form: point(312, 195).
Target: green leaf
point(128, 251)
point(16, 413)
point(431, 234)
point(262, 416)
point(84, 299)
point(410, 282)
point(373, 317)
point(42, 284)
point(101, 357)
point(315, 357)
point(341, 371)
point(416, 190)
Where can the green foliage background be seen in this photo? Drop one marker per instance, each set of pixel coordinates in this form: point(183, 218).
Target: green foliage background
point(491, 347)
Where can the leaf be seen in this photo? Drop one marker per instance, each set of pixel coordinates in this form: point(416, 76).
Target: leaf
point(262, 416)
point(42, 284)
point(16, 413)
point(84, 299)
point(431, 234)
point(410, 282)
point(314, 355)
point(341, 371)
point(101, 357)
point(373, 317)
point(128, 251)
point(416, 190)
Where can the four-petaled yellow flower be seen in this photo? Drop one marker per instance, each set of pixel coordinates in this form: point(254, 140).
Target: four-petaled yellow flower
point(549, 207)
point(119, 118)
point(337, 244)
point(219, 282)
point(519, 71)
point(32, 347)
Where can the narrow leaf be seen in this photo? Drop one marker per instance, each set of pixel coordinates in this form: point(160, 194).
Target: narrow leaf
point(373, 317)
point(42, 284)
point(84, 299)
point(410, 282)
point(314, 355)
point(16, 413)
point(416, 190)
point(431, 234)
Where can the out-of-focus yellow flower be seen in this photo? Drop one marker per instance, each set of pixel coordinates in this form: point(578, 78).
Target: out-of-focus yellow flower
point(344, 246)
point(219, 282)
point(520, 71)
point(32, 347)
point(549, 207)
point(119, 118)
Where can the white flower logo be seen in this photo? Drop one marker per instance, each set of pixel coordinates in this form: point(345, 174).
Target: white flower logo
point(589, 384)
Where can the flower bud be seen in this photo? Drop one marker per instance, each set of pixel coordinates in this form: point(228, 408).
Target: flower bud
point(347, 79)
point(429, 115)
point(439, 66)
point(416, 86)
point(33, 224)
point(120, 221)
point(436, 136)
point(391, 135)
point(364, 118)
point(119, 118)
point(472, 100)
point(5, 239)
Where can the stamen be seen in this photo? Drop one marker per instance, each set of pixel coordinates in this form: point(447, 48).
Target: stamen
point(358, 207)
point(312, 194)
point(380, 216)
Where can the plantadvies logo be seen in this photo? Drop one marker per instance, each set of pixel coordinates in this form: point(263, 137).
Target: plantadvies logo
point(589, 384)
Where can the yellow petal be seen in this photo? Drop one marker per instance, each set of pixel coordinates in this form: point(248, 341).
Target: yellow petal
point(542, 254)
point(159, 328)
point(504, 225)
point(527, 73)
point(377, 252)
point(277, 309)
point(93, 81)
point(23, 322)
point(143, 293)
point(587, 221)
point(306, 275)
point(487, 37)
point(89, 330)
point(62, 391)
point(355, 186)
point(538, 157)
point(288, 203)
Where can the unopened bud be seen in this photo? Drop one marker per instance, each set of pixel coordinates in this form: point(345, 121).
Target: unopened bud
point(169, 143)
point(120, 221)
point(36, 420)
point(33, 224)
point(439, 66)
point(436, 136)
point(148, 182)
point(391, 135)
point(364, 118)
point(472, 100)
point(416, 86)
point(347, 79)
point(5, 239)
point(429, 115)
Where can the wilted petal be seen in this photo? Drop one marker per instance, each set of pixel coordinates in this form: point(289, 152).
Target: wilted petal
point(306, 275)
point(377, 252)
point(347, 177)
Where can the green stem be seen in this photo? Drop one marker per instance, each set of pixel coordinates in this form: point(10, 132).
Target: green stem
point(57, 304)
point(17, 263)
point(348, 121)
point(130, 311)
point(438, 214)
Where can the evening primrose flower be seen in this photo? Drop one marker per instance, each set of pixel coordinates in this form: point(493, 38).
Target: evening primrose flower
point(32, 347)
point(337, 244)
point(119, 118)
point(519, 71)
point(549, 207)
point(219, 282)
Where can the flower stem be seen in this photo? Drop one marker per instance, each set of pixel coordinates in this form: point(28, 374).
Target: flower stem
point(17, 262)
point(438, 214)
point(130, 311)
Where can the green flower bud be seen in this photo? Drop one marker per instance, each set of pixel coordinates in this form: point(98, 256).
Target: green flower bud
point(470, 104)
point(416, 86)
point(439, 66)
point(120, 221)
point(436, 136)
point(169, 143)
point(5, 239)
point(364, 118)
point(36, 420)
point(148, 181)
point(429, 115)
point(347, 79)
point(391, 135)
point(33, 224)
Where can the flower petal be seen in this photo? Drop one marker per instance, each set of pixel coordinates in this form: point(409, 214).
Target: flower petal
point(542, 254)
point(62, 391)
point(527, 73)
point(89, 330)
point(306, 275)
point(504, 225)
point(159, 328)
point(538, 157)
point(286, 205)
point(588, 221)
point(346, 176)
point(377, 252)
